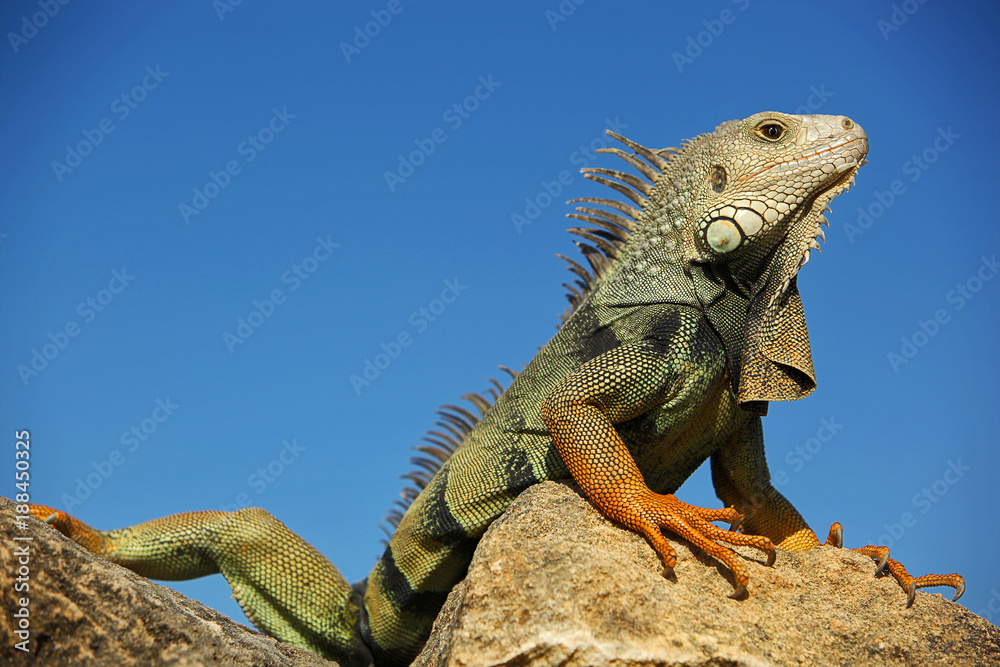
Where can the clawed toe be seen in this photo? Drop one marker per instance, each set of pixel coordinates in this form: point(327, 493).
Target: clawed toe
point(740, 593)
point(906, 581)
point(655, 512)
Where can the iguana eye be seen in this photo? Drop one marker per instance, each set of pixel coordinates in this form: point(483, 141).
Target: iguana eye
point(771, 131)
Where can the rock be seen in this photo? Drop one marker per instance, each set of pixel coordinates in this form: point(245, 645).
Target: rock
point(87, 611)
point(552, 583)
point(555, 583)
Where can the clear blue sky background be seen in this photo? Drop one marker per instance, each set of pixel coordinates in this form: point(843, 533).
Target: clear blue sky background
point(345, 120)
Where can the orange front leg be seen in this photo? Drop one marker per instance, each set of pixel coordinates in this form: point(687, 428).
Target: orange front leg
point(580, 413)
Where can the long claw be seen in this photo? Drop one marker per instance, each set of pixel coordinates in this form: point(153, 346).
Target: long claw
point(650, 514)
point(911, 594)
point(740, 593)
point(882, 562)
point(836, 536)
point(928, 580)
point(959, 591)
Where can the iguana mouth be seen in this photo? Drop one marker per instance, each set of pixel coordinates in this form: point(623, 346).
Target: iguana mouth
point(815, 208)
point(839, 185)
point(847, 146)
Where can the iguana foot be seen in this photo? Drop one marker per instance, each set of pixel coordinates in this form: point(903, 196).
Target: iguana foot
point(651, 512)
point(908, 582)
point(76, 530)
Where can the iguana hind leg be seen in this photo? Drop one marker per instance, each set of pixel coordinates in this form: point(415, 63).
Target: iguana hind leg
point(908, 582)
point(739, 472)
point(284, 586)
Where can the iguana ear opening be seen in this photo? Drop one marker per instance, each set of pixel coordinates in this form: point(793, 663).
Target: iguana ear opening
point(776, 364)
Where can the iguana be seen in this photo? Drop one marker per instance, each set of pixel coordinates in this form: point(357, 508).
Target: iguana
point(685, 324)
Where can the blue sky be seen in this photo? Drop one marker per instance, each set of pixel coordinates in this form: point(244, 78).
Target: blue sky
point(171, 170)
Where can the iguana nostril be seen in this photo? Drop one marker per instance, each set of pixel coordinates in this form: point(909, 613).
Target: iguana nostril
point(846, 123)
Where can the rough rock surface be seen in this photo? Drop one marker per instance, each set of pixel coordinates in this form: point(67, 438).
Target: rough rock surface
point(86, 611)
point(554, 583)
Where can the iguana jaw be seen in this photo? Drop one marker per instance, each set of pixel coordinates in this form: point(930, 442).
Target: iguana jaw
point(808, 221)
point(821, 173)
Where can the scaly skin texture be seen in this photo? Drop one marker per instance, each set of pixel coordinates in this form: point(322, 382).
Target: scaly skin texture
point(686, 323)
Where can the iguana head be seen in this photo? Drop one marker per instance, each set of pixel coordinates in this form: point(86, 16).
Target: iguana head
point(725, 223)
point(764, 181)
